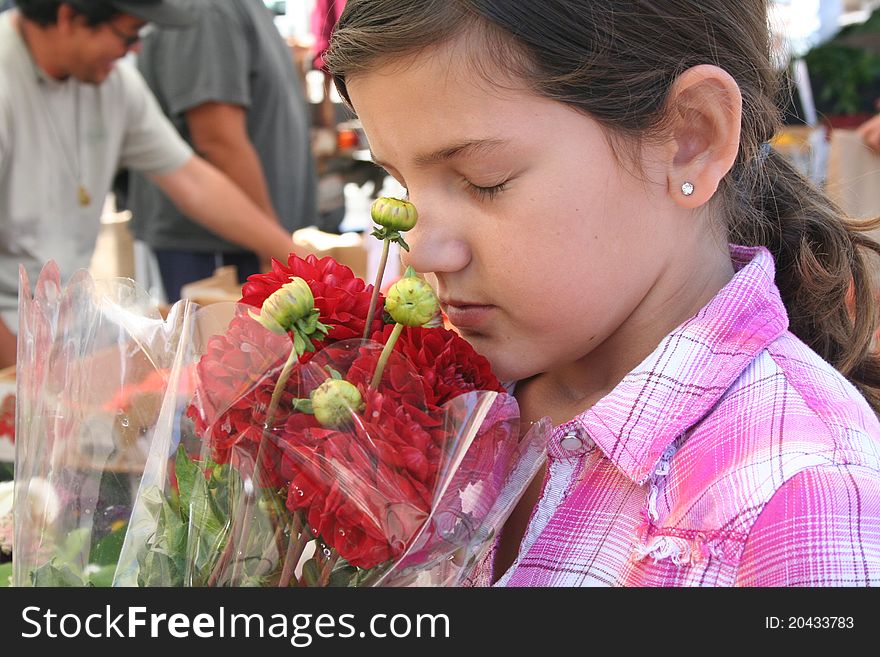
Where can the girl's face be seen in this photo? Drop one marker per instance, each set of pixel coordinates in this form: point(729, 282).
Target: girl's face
point(547, 251)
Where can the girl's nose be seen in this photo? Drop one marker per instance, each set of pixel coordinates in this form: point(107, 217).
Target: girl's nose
point(437, 243)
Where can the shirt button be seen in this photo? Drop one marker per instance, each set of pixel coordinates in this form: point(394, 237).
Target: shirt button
point(571, 442)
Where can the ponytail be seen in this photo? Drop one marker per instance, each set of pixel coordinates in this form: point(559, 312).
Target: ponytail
point(822, 270)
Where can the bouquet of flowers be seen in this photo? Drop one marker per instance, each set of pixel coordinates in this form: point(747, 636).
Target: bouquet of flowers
point(314, 434)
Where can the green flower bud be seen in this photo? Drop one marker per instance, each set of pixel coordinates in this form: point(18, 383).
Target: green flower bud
point(334, 400)
point(285, 306)
point(393, 213)
point(412, 302)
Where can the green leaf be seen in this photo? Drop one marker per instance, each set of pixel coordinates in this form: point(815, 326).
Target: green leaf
point(253, 581)
point(153, 499)
point(162, 562)
point(343, 577)
point(224, 483)
point(310, 572)
point(75, 546)
point(56, 574)
point(168, 529)
point(303, 405)
point(843, 77)
point(206, 518)
point(6, 574)
point(309, 323)
point(211, 519)
point(300, 345)
point(188, 472)
point(106, 551)
point(159, 569)
point(362, 575)
point(103, 577)
point(6, 473)
point(402, 243)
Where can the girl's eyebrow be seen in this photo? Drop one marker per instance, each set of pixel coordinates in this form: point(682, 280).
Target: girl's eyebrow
point(468, 146)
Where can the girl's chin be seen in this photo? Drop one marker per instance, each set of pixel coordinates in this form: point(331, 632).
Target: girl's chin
point(504, 365)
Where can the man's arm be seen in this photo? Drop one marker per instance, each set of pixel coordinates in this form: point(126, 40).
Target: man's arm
point(209, 197)
point(219, 134)
point(7, 346)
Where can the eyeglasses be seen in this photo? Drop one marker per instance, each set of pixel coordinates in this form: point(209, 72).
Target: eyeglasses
point(130, 40)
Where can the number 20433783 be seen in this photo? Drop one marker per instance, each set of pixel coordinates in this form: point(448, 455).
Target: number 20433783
point(809, 622)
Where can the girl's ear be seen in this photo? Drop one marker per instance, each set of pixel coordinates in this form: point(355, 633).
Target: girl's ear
point(705, 106)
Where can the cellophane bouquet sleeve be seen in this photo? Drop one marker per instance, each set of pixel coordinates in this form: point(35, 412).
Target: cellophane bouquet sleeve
point(99, 371)
point(273, 444)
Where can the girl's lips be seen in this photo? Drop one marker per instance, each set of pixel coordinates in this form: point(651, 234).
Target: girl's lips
point(465, 315)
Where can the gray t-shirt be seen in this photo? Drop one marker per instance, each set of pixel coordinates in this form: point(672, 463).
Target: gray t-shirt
point(233, 54)
point(54, 137)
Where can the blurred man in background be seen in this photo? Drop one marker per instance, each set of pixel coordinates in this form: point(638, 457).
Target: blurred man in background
point(71, 114)
point(229, 86)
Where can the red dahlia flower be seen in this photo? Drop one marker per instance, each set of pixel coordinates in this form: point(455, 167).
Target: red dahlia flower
point(342, 298)
point(237, 377)
point(446, 362)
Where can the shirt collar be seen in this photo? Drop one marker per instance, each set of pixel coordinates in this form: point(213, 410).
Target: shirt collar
point(690, 370)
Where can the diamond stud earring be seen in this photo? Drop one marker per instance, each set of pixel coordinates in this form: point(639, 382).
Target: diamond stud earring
point(687, 188)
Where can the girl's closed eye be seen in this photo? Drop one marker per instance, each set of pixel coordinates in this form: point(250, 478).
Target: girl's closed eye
point(486, 193)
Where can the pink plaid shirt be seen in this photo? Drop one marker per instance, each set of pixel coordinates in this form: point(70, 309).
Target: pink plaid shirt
point(732, 456)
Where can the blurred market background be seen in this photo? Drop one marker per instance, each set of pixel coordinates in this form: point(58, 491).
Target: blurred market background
point(828, 49)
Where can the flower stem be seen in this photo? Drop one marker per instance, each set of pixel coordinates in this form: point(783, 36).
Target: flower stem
point(386, 243)
point(279, 387)
point(294, 550)
point(327, 570)
point(220, 566)
point(243, 534)
point(266, 563)
point(386, 353)
point(238, 531)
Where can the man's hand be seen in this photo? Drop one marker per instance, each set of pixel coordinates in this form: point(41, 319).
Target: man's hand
point(869, 131)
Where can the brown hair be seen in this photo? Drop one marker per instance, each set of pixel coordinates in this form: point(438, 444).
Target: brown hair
point(616, 60)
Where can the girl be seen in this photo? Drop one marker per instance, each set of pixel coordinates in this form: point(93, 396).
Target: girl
point(605, 221)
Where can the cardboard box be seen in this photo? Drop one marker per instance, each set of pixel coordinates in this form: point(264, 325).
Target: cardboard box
point(222, 286)
point(347, 249)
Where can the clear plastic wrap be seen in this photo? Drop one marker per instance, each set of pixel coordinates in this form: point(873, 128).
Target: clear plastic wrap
point(197, 450)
